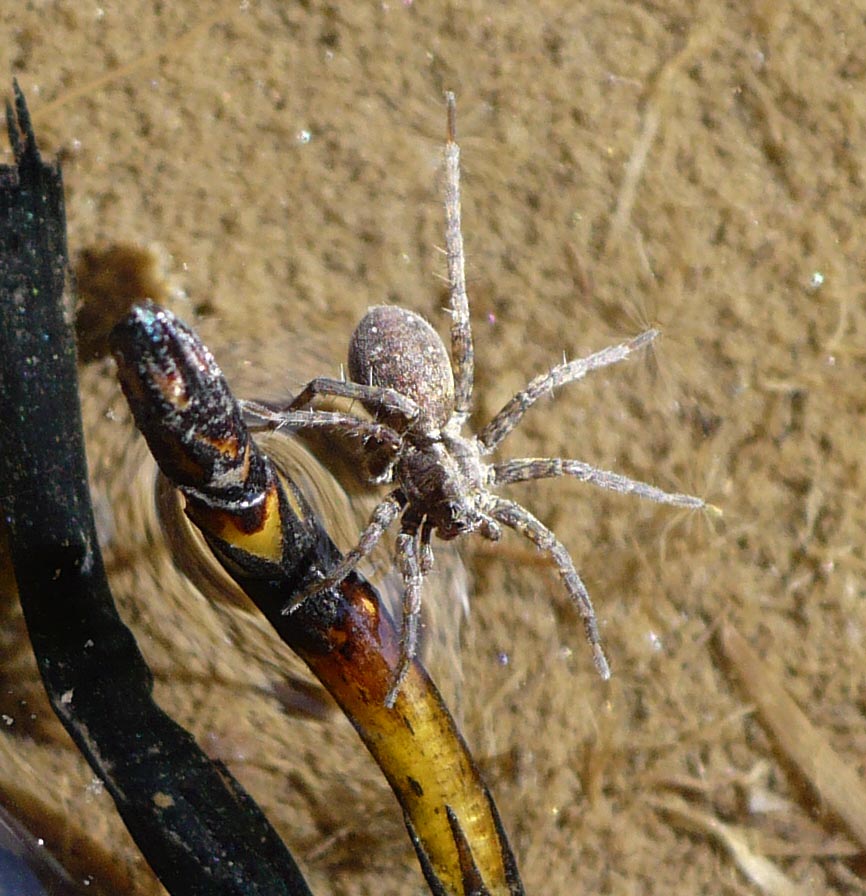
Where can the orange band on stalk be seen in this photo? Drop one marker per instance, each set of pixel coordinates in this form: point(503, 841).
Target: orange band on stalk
point(264, 539)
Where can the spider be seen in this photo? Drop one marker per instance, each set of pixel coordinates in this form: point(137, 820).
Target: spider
point(419, 400)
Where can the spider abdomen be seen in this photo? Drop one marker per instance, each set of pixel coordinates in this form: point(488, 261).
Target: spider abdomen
point(394, 348)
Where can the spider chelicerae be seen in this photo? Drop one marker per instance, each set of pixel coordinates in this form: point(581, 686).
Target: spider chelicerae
point(419, 400)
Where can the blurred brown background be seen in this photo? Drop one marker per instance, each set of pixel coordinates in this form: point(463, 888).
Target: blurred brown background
point(699, 166)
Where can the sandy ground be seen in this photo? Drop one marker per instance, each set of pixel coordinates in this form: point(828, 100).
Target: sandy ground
point(699, 166)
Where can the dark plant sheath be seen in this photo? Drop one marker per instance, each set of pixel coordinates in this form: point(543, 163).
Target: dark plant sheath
point(198, 829)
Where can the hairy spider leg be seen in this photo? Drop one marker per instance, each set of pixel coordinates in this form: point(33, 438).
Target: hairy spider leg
point(383, 399)
point(462, 352)
point(425, 551)
point(381, 519)
point(348, 424)
point(512, 413)
point(406, 551)
point(528, 468)
point(513, 515)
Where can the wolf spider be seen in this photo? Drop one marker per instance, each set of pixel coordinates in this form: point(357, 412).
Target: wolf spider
point(420, 399)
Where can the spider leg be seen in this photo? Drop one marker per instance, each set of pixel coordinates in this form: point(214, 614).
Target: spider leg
point(348, 424)
point(525, 469)
point(383, 515)
point(411, 571)
point(375, 398)
point(462, 353)
point(512, 413)
point(521, 520)
point(425, 552)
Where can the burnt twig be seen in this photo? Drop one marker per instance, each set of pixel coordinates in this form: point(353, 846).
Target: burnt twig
point(195, 825)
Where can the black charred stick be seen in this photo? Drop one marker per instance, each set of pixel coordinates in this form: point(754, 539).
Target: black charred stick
point(197, 828)
point(261, 529)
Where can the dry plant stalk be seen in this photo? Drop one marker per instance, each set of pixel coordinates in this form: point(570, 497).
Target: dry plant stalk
point(834, 780)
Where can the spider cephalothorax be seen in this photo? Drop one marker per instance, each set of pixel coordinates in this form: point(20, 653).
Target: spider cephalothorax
point(420, 399)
